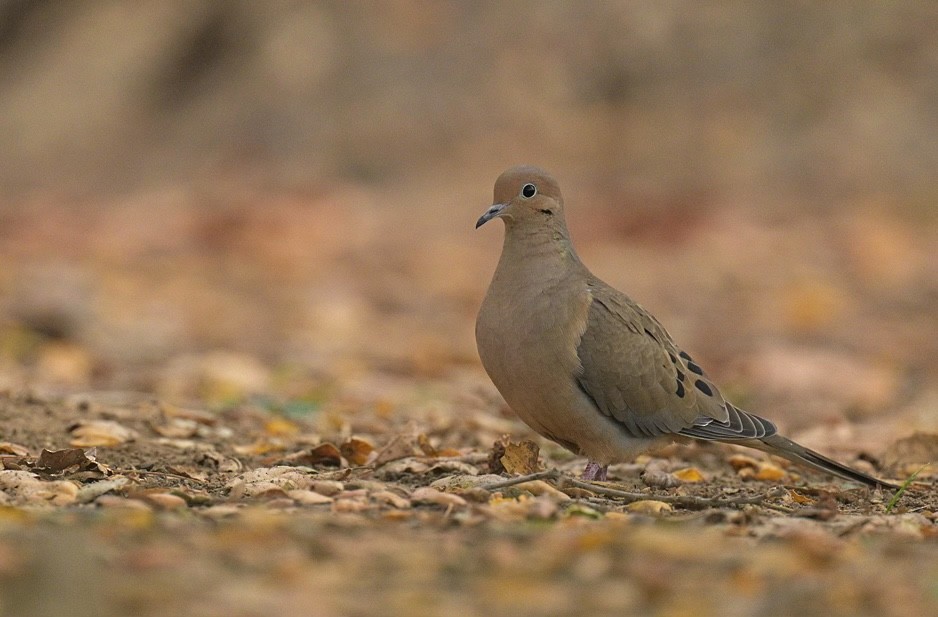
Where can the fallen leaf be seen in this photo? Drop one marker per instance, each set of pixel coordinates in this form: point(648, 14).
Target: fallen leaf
point(308, 498)
point(15, 449)
point(520, 458)
point(327, 487)
point(539, 487)
point(798, 498)
point(648, 506)
point(400, 446)
point(657, 478)
point(59, 460)
point(87, 433)
point(165, 501)
point(356, 451)
point(92, 491)
point(423, 442)
point(259, 447)
point(741, 461)
point(74, 460)
point(324, 454)
point(182, 413)
point(177, 428)
point(768, 472)
point(281, 427)
point(392, 499)
point(690, 475)
point(427, 495)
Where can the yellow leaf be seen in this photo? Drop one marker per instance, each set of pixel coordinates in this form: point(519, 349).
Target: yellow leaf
point(281, 427)
point(769, 473)
point(648, 506)
point(689, 475)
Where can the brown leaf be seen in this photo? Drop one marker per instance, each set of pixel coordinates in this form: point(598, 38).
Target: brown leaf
point(60, 460)
point(423, 442)
point(520, 458)
point(425, 494)
point(182, 413)
point(356, 451)
point(177, 428)
point(496, 454)
point(401, 446)
point(87, 433)
point(323, 454)
point(741, 461)
point(800, 499)
point(15, 449)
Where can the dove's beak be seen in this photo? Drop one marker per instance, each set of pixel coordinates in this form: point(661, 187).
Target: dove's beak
point(490, 214)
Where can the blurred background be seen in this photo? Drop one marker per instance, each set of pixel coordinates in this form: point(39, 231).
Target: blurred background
point(210, 199)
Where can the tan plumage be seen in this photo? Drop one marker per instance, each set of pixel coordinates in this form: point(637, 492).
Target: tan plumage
point(584, 365)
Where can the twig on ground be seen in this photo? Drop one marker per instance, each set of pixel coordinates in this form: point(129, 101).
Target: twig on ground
point(685, 501)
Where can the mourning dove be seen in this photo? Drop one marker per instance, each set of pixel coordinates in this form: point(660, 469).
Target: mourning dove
point(584, 365)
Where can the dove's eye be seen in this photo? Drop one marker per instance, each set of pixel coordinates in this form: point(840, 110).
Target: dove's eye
point(528, 191)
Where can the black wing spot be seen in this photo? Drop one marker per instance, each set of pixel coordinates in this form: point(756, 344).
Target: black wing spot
point(680, 376)
point(686, 356)
point(694, 368)
point(673, 359)
point(703, 387)
point(680, 389)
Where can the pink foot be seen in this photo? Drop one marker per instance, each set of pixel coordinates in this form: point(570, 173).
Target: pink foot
point(595, 472)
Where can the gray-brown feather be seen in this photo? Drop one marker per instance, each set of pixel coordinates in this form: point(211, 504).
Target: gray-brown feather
point(634, 372)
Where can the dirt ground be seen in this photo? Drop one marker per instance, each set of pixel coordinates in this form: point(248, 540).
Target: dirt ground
point(337, 455)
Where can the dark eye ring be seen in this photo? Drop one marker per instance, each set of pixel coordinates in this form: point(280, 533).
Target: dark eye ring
point(528, 191)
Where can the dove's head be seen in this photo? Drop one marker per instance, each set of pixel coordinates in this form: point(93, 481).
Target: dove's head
point(525, 195)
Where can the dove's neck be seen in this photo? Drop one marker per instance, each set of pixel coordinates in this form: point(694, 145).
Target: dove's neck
point(545, 249)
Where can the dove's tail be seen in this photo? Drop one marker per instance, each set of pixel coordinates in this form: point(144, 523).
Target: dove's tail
point(786, 448)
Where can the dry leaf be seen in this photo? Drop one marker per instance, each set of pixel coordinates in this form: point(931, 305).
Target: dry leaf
point(15, 449)
point(425, 494)
point(690, 475)
point(741, 461)
point(648, 506)
point(657, 478)
point(539, 487)
point(177, 428)
point(308, 498)
point(356, 451)
point(165, 501)
point(798, 498)
point(423, 442)
point(281, 427)
point(325, 454)
point(60, 460)
point(87, 433)
point(182, 413)
point(520, 458)
point(72, 460)
point(328, 488)
point(400, 446)
point(768, 472)
point(392, 499)
point(259, 447)
point(90, 492)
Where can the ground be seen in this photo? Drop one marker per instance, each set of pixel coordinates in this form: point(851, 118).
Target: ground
point(299, 427)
